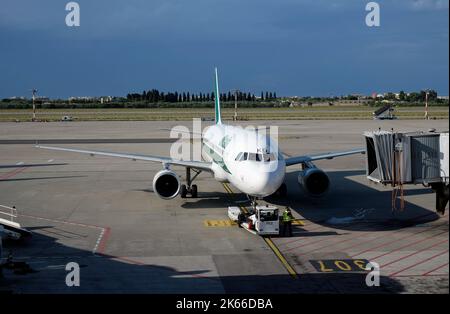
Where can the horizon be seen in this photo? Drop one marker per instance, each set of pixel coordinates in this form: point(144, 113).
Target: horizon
point(257, 95)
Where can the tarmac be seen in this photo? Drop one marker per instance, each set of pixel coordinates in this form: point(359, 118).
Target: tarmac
point(101, 213)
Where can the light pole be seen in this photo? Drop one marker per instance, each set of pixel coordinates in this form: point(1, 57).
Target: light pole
point(33, 92)
point(236, 91)
point(426, 104)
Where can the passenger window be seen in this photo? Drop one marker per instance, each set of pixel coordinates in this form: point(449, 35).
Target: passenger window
point(258, 157)
point(245, 156)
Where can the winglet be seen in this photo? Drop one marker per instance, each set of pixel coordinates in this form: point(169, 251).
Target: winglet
point(218, 117)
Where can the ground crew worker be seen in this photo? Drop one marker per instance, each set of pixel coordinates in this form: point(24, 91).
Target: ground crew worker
point(241, 219)
point(287, 222)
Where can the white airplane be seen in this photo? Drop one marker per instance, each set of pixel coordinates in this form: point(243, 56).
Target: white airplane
point(247, 159)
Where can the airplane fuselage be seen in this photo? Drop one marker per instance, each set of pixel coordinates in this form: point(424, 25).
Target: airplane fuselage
point(247, 159)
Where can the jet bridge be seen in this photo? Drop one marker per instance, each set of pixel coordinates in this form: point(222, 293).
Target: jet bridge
point(410, 158)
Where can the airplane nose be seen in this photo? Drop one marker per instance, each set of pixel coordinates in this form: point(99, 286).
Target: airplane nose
point(266, 182)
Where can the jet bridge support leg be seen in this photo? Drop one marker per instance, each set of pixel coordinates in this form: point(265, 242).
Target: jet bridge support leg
point(442, 196)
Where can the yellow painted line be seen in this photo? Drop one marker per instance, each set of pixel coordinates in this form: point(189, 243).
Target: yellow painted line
point(298, 222)
point(227, 188)
point(282, 259)
point(230, 192)
point(219, 223)
point(269, 241)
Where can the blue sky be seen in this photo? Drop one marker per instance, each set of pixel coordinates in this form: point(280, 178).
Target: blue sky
point(293, 47)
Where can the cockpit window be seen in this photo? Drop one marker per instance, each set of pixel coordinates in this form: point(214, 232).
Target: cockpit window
point(256, 157)
point(269, 157)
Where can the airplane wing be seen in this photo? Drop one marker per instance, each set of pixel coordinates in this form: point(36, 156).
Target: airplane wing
point(301, 159)
point(200, 165)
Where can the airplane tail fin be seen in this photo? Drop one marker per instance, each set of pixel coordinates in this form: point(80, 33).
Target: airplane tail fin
point(218, 117)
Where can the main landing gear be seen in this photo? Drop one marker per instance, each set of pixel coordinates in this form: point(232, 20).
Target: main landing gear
point(189, 188)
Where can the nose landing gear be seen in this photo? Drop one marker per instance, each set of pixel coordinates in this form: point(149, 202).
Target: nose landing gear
point(253, 203)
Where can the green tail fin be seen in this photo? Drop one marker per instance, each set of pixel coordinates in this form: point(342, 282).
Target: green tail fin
point(218, 117)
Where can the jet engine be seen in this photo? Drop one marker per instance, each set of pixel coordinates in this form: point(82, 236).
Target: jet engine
point(314, 181)
point(166, 184)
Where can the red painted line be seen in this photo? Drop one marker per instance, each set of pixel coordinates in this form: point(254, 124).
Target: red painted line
point(352, 237)
point(318, 227)
point(303, 245)
point(360, 233)
point(125, 259)
point(393, 241)
point(6, 175)
point(362, 242)
point(433, 275)
point(306, 231)
point(405, 246)
point(104, 240)
point(98, 249)
point(296, 247)
point(296, 240)
point(357, 233)
point(422, 216)
point(62, 221)
point(421, 262)
point(433, 270)
point(326, 228)
point(409, 255)
point(351, 234)
point(13, 173)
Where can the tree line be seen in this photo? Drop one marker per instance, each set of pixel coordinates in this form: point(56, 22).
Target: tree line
point(414, 96)
point(155, 95)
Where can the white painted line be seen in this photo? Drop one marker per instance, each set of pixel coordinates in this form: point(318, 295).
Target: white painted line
point(50, 160)
point(55, 266)
point(62, 221)
point(98, 241)
point(19, 163)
